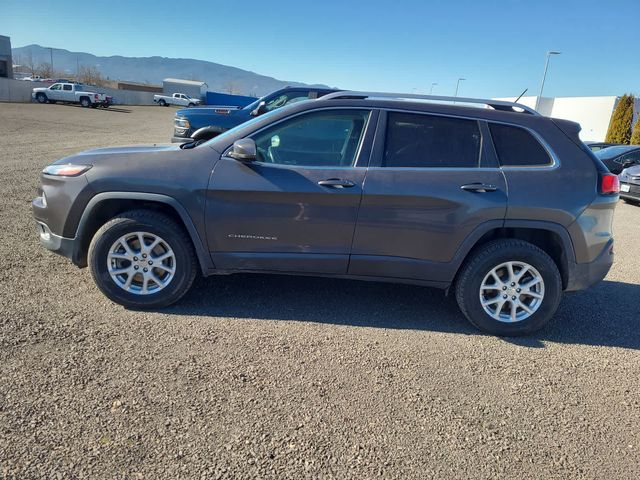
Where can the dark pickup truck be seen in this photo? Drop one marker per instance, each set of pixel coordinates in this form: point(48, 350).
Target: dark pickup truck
point(207, 122)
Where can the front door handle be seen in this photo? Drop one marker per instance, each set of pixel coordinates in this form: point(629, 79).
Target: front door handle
point(336, 183)
point(479, 187)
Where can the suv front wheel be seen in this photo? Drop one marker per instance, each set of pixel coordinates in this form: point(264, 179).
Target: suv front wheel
point(509, 288)
point(142, 259)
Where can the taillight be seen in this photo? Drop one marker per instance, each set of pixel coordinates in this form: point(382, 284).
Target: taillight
point(609, 184)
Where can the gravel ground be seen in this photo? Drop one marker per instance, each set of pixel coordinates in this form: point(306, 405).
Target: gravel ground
point(283, 377)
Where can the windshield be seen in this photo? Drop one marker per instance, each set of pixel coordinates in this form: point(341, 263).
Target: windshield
point(232, 132)
point(612, 152)
point(254, 105)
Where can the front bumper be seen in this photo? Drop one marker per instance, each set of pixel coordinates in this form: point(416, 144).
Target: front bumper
point(67, 247)
point(584, 275)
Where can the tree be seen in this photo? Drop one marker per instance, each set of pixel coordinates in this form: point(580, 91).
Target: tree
point(91, 76)
point(30, 64)
point(45, 70)
point(635, 136)
point(621, 121)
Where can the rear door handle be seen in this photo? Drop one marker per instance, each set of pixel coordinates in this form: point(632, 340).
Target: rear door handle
point(336, 183)
point(479, 187)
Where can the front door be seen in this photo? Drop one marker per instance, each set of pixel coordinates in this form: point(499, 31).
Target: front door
point(432, 184)
point(293, 209)
point(55, 92)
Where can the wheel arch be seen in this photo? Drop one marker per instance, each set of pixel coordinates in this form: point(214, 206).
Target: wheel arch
point(551, 237)
point(106, 205)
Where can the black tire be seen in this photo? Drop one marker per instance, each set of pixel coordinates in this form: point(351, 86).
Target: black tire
point(41, 97)
point(191, 105)
point(154, 223)
point(85, 102)
point(52, 102)
point(487, 257)
point(162, 103)
point(631, 202)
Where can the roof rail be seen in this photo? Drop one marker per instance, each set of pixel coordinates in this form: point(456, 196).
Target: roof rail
point(495, 104)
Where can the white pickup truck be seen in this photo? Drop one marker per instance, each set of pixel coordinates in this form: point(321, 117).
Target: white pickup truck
point(70, 93)
point(179, 99)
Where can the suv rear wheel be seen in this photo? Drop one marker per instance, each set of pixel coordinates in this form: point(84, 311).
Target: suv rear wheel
point(509, 288)
point(142, 259)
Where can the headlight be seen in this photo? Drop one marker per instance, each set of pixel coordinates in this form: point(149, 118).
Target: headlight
point(181, 122)
point(68, 170)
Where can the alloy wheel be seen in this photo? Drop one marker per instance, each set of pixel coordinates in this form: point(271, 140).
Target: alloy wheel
point(512, 291)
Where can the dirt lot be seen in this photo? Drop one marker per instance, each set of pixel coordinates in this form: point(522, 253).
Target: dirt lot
point(279, 377)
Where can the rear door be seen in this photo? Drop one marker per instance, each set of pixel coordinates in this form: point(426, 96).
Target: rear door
point(67, 93)
point(295, 208)
point(433, 185)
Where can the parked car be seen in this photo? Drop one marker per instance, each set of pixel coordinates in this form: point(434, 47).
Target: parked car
point(503, 206)
point(630, 185)
point(179, 99)
point(207, 122)
point(32, 78)
point(71, 93)
point(619, 157)
point(597, 146)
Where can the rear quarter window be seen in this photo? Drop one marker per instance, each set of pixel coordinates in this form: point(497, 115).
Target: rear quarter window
point(516, 147)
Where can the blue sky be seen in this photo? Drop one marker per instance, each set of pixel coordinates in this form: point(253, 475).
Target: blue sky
point(401, 45)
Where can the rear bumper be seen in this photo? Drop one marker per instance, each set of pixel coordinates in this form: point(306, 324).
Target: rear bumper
point(584, 275)
point(633, 193)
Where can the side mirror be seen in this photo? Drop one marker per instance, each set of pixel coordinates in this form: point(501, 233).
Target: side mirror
point(243, 150)
point(260, 109)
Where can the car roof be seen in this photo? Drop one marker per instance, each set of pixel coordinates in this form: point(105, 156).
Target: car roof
point(458, 110)
point(616, 151)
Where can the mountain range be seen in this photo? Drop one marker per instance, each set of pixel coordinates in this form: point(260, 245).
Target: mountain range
point(222, 78)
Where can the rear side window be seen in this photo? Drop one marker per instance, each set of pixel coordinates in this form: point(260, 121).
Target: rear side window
point(66, 87)
point(428, 141)
point(516, 147)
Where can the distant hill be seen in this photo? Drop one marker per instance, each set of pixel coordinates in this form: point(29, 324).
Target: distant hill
point(154, 69)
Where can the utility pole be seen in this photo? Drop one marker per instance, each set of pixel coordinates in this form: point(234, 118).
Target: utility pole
point(51, 53)
point(544, 76)
point(458, 85)
point(431, 89)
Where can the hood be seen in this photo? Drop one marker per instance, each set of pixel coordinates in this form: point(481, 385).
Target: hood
point(90, 156)
point(208, 110)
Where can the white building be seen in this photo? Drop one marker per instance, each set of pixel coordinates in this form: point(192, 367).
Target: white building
point(592, 113)
point(193, 88)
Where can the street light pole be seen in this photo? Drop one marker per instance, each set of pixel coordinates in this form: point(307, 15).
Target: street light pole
point(544, 76)
point(51, 52)
point(431, 90)
point(458, 85)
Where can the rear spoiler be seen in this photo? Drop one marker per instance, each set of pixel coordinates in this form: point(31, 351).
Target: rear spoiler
point(572, 131)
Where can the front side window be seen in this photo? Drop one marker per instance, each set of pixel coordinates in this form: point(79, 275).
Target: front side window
point(516, 147)
point(55, 87)
point(329, 138)
point(285, 99)
point(428, 141)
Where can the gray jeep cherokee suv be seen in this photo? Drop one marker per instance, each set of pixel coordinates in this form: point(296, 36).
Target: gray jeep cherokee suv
point(505, 206)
